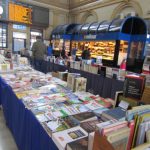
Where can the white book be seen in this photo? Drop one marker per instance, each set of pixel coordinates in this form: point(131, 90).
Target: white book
point(63, 137)
point(92, 105)
point(42, 118)
point(91, 140)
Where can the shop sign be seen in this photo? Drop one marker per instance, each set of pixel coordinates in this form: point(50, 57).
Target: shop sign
point(90, 37)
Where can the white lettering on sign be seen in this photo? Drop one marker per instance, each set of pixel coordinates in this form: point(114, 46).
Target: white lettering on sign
point(90, 37)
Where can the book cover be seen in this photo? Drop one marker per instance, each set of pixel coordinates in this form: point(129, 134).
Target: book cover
point(131, 126)
point(91, 141)
point(71, 80)
point(144, 146)
point(90, 126)
point(114, 127)
point(148, 136)
point(62, 138)
point(146, 95)
point(81, 144)
point(115, 113)
point(70, 121)
point(41, 118)
point(80, 84)
point(100, 126)
point(93, 105)
point(119, 138)
point(55, 126)
point(99, 111)
point(139, 119)
point(86, 116)
point(143, 128)
point(134, 86)
point(105, 103)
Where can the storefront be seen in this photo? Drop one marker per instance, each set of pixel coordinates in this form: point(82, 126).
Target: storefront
point(61, 38)
point(20, 23)
point(111, 40)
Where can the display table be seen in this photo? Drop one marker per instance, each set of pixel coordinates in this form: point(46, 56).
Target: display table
point(27, 131)
point(96, 83)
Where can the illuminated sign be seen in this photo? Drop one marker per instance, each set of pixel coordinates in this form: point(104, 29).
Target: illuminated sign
point(20, 13)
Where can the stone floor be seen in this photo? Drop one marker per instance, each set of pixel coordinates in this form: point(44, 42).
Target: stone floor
point(6, 140)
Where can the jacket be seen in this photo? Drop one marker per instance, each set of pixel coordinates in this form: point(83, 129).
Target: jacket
point(39, 50)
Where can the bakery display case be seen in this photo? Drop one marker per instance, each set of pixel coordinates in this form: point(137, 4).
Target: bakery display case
point(105, 49)
point(61, 37)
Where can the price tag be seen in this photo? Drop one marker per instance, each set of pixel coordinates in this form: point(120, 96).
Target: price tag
point(124, 105)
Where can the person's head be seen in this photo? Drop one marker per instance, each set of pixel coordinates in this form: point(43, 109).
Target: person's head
point(38, 38)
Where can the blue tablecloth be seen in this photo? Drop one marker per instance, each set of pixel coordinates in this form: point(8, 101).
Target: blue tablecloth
point(27, 131)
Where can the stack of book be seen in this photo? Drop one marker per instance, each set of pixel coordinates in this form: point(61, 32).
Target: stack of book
point(71, 80)
point(140, 116)
point(117, 113)
point(116, 133)
point(76, 83)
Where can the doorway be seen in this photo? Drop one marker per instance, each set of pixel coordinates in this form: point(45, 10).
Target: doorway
point(19, 41)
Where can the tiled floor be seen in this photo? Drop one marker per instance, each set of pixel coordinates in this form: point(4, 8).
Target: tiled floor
point(6, 140)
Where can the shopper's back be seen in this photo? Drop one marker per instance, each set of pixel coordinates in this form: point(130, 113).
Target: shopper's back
point(39, 49)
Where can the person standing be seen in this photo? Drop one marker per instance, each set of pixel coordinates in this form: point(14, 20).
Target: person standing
point(39, 52)
point(73, 53)
point(86, 54)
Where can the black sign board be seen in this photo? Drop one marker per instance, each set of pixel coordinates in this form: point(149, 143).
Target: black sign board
point(40, 16)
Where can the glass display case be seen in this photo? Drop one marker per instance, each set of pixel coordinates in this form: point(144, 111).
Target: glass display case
point(106, 49)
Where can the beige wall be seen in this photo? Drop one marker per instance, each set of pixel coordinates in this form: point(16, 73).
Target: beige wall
point(108, 9)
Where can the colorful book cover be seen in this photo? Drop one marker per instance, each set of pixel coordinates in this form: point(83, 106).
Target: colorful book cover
point(80, 84)
point(134, 86)
point(113, 127)
point(119, 139)
point(90, 126)
point(81, 144)
point(85, 116)
point(131, 126)
point(62, 138)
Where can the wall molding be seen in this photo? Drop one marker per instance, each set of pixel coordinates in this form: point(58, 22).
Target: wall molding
point(130, 3)
point(40, 4)
point(94, 5)
point(87, 14)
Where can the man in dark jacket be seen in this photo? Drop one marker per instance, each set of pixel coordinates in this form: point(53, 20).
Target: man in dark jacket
point(86, 54)
point(39, 52)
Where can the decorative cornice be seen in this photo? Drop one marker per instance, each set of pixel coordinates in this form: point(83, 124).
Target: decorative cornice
point(40, 4)
point(95, 5)
point(135, 5)
point(79, 3)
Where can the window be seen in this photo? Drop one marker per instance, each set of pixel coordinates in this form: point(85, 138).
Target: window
point(34, 34)
point(3, 35)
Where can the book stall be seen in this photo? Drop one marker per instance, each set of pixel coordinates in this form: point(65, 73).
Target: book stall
point(55, 111)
